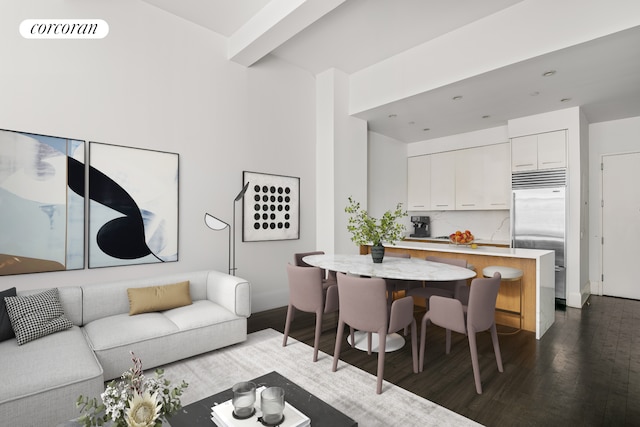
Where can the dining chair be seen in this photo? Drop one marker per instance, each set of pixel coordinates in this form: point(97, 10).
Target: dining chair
point(328, 278)
point(395, 285)
point(449, 313)
point(306, 293)
point(447, 289)
point(363, 307)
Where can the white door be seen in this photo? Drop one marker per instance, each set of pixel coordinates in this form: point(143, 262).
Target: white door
point(621, 225)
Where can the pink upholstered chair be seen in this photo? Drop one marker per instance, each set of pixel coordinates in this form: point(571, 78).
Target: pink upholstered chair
point(306, 293)
point(394, 285)
point(328, 278)
point(363, 306)
point(480, 316)
point(450, 289)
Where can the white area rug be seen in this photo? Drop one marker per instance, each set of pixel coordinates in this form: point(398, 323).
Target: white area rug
point(350, 390)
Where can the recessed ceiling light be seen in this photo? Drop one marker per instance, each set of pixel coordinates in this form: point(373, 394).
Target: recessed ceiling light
point(565, 100)
point(457, 98)
point(548, 73)
point(393, 116)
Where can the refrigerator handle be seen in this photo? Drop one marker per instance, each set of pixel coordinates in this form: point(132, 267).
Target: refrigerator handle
point(513, 220)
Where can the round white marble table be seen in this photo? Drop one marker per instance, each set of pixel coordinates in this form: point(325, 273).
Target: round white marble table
point(389, 268)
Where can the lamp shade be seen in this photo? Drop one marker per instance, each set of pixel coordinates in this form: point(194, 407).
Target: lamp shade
point(214, 223)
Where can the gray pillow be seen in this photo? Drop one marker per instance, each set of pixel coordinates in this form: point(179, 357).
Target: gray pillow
point(35, 316)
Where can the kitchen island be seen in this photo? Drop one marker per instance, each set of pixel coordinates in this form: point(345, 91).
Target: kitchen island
point(537, 301)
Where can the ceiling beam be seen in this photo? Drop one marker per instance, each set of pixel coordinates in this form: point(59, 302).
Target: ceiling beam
point(276, 23)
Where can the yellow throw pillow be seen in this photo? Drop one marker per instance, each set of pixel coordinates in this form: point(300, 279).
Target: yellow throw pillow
point(158, 298)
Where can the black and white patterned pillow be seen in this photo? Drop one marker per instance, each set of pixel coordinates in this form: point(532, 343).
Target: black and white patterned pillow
point(35, 316)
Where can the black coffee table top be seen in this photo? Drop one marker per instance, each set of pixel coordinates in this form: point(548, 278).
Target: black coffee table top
point(321, 414)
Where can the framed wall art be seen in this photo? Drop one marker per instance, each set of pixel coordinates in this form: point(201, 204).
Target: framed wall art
point(41, 203)
point(271, 208)
point(133, 206)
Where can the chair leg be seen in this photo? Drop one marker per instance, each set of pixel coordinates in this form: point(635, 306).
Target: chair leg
point(381, 351)
point(496, 347)
point(423, 339)
point(414, 346)
point(287, 324)
point(369, 335)
point(352, 335)
point(448, 340)
point(473, 348)
point(336, 351)
point(316, 341)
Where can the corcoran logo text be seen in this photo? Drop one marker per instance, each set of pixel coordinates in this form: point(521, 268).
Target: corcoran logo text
point(64, 29)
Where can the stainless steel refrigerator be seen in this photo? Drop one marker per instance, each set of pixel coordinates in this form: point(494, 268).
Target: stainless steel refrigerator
point(538, 218)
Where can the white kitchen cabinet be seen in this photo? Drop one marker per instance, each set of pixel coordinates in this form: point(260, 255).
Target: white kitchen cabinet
point(470, 179)
point(483, 178)
point(419, 183)
point(552, 150)
point(443, 181)
point(524, 153)
point(541, 151)
point(497, 176)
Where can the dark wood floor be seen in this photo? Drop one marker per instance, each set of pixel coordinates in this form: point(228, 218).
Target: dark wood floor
point(584, 371)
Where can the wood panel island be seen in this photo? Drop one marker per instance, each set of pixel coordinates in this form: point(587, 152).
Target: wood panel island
point(538, 280)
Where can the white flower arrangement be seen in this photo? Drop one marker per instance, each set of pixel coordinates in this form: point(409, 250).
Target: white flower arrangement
point(134, 401)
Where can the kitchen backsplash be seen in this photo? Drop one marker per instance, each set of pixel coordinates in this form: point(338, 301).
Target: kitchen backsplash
point(485, 225)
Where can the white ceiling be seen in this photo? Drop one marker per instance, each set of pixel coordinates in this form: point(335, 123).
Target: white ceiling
point(601, 76)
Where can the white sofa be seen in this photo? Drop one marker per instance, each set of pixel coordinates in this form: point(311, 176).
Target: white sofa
point(42, 379)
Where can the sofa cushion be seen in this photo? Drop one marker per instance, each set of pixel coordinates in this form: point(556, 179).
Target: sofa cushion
point(198, 315)
point(42, 379)
point(158, 298)
point(35, 316)
point(123, 330)
point(6, 330)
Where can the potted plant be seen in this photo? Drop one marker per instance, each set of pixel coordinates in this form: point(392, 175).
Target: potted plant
point(367, 230)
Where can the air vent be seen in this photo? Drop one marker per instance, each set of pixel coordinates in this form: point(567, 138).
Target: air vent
point(539, 178)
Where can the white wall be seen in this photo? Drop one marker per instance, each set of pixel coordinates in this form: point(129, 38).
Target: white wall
point(158, 82)
point(341, 162)
point(613, 137)
point(387, 176)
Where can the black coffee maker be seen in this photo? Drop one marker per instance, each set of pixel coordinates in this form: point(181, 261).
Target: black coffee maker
point(421, 226)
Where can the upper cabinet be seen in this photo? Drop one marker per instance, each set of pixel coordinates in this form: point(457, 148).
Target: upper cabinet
point(419, 183)
point(443, 181)
point(542, 151)
point(469, 179)
point(497, 176)
point(483, 178)
point(475, 178)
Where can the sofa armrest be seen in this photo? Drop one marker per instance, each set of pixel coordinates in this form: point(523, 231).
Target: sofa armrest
point(231, 292)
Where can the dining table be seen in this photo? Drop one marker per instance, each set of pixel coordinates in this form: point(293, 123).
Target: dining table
point(410, 269)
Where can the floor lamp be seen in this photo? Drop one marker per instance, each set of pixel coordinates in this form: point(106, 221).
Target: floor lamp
point(219, 225)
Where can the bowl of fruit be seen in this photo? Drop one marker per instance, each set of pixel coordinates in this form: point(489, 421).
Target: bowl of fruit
point(461, 237)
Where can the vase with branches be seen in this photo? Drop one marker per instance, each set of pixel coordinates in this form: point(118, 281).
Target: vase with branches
point(366, 229)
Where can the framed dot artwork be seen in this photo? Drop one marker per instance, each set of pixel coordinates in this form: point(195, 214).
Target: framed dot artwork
point(271, 208)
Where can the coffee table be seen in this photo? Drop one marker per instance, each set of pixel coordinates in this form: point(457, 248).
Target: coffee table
point(321, 414)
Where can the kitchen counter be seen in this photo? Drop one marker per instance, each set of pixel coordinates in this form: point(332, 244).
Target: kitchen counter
point(538, 280)
point(480, 242)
